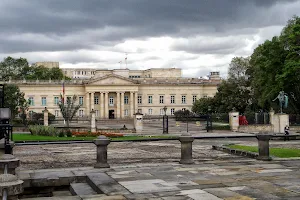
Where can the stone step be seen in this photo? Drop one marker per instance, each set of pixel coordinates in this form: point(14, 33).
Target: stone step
point(83, 197)
point(81, 189)
point(102, 183)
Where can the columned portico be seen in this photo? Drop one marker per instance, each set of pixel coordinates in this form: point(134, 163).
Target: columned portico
point(122, 105)
point(135, 102)
point(92, 101)
point(87, 102)
point(101, 105)
point(106, 105)
point(118, 106)
point(131, 104)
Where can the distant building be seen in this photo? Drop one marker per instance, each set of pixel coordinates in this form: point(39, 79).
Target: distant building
point(120, 93)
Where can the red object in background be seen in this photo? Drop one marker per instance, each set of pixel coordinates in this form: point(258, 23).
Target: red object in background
point(243, 120)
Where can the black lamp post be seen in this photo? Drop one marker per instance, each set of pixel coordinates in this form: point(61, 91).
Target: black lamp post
point(5, 127)
point(165, 121)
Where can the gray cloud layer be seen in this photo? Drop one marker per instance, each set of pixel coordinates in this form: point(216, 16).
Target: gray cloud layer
point(216, 27)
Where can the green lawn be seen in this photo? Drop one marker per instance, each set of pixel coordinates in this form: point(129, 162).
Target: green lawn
point(277, 152)
point(28, 137)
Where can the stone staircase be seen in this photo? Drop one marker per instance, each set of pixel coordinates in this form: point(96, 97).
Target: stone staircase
point(95, 185)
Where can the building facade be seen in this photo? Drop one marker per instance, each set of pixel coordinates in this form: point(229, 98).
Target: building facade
point(120, 93)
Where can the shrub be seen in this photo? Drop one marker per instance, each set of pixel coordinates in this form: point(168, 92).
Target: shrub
point(95, 134)
point(61, 133)
point(43, 130)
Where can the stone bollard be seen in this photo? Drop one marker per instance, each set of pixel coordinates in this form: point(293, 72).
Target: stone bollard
point(186, 149)
point(8, 164)
point(93, 121)
point(263, 147)
point(10, 187)
point(46, 116)
point(101, 142)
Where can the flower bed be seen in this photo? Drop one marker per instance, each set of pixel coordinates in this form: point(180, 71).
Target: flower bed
point(95, 134)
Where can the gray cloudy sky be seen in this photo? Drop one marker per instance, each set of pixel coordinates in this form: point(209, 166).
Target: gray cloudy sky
point(196, 35)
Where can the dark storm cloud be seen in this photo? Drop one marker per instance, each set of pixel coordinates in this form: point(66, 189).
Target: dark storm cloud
point(80, 24)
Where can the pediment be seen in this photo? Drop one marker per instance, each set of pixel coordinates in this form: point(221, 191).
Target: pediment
point(112, 80)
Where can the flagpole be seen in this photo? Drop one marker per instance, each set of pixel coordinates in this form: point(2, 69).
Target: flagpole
point(126, 60)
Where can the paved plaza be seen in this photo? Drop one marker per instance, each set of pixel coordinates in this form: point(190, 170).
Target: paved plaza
point(150, 170)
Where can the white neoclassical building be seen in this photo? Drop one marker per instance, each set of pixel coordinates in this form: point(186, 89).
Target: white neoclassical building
point(120, 93)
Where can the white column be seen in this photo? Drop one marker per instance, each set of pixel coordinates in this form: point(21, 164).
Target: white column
point(131, 104)
point(106, 105)
point(122, 105)
point(118, 106)
point(135, 102)
point(87, 103)
point(101, 105)
point(92, 101)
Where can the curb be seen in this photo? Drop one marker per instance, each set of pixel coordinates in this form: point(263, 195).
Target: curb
point(235, 151)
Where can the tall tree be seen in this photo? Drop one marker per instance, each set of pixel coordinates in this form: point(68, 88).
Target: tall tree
point(68, 108)
point(238, 68)
point(14, 99)
point(275, 66)
point(201, 105)
point(235, 92)
point(13, 68)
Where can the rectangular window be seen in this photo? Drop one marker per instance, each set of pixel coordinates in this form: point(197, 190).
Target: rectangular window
point(80, 113)
point(125, 99)
point(172, 111)
point(150, 111)
point(194, 98)
point(31, 101)
point(139, 99)
point(111, 101)
point(97, 113)
point(96, 100)
point(56, 100)
point(161, 99)
point(56, 113)
point(44, 101)
point(150, 99)
point(183, 109)
point(161, 111)
point(126, 112)
point(80, 100)
point(172, 99)
point(204, 95)
point(183, 99)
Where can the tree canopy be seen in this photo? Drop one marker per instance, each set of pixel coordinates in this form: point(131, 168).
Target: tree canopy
point(18, 69)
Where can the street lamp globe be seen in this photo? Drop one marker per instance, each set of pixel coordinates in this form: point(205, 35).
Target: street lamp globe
point(165, 109)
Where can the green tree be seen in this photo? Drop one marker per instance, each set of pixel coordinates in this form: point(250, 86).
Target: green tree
point(201, 105)
point(275, 66)
point(235, 92)
point(14, 99)
point(68, 108)
point(14, 68)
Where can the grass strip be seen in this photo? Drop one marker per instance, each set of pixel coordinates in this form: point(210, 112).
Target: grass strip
point(277, 152)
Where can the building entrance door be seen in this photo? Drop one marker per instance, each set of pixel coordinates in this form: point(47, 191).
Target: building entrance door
point(111, 114)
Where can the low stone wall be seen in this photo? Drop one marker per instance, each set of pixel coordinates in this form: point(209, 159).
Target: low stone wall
point(256, 128)
point(237, 152)
point(295, 128)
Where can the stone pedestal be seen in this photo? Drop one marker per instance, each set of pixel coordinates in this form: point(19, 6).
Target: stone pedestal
point(9, 162)
point(46, 116)
point(279, 121)
point(10, 186)
point(138, 122)
point(93, 121)
point(186, 149)
point(234, 121)
point(263, 147)
point(102, 142)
